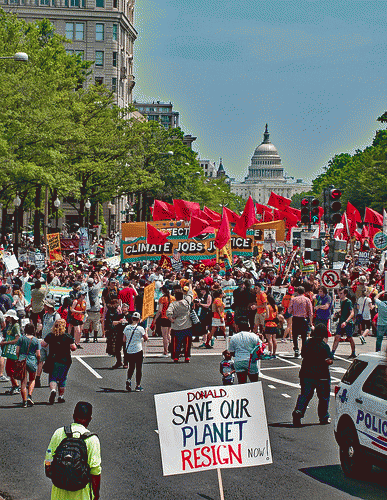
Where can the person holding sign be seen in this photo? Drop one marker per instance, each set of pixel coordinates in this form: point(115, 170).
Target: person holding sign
point(134, 335)
point(242, 345)
point(178, 313)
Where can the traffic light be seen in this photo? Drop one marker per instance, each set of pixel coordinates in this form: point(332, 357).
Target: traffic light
point(315, 212)
point(334, 205)
point(305, 211)
point(312, 250)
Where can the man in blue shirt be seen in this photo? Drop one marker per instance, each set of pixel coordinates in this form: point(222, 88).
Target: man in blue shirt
point(381, 327)
point(323, 307)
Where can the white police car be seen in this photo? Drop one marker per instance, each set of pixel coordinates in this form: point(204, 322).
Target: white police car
point(361, 415)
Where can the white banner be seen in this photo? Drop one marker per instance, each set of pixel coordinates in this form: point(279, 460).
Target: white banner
point(212, 428)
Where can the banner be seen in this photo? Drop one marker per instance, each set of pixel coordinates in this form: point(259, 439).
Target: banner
point(148, 305)
point(212, 428)
point(110, 249)
point(54, 250)
point(134, 246)
point(40, 260)
point(228, 297)
point(10, 263)
point(84, 243)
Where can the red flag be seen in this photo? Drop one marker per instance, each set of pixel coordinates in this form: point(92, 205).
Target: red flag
point(198, 226)
point(373, 217)
point(212, 214)
point(163, 210)
point(277, 214)
point(246, 220)
point(289, 218)
point(320, 213)
point(154, 236)
point(224, 233)
point(357, 235)
point(353, 213)
point(278, 201)
point(364, 232)
point(211, 222)
point(184, 209)
point(261, 209)
point(231, 216)
point(268, 216)
point(295, 212)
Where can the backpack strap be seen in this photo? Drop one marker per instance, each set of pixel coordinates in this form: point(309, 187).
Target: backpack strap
point(68, 431)
point(86, 435)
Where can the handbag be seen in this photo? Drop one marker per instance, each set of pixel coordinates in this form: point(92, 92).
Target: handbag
point(20, 367)
point(193, 316)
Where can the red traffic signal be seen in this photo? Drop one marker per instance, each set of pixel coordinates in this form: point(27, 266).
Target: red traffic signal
point(315, 202)
point(335, 194)
point(305, 202)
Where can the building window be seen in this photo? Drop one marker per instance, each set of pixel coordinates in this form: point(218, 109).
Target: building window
point(115, 32)
point(79, 31)
point(115, 4)
point(74, 31)
point(114, 59)
point(44, 2)
point(74, 3)
point(99, 57)
point(114, 84)
point(99, 32)
point(100, 3)
point(98, 80)
point(69, 31)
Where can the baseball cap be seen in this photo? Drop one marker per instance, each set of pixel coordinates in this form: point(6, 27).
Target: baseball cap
point(291, 290)
point(136, 315)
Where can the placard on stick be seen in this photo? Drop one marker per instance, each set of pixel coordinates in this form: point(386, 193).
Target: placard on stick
point(212, 428)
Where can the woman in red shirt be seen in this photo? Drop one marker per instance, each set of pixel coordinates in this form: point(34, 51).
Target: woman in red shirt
point(78, 311)
point(218, 317)
point(165, 323)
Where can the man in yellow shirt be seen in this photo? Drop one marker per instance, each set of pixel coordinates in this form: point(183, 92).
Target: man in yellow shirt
point(82, 418)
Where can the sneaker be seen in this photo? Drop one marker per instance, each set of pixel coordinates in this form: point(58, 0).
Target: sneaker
point(24, 404)
point(3, 378)
point(95, 341)
point(79, 346)
point(201, 345)
point(212, 342)
point(362, 340)
point(187, 360)
point(138, 388)
point(352, 356)
point(61, 399)
point(296, 354)
point(273, 356)
point(325, 421)
point(51, 399)
point(15, 390)
point(129, 386)
point(208, 346)
point(296, 419)
point(29, 401)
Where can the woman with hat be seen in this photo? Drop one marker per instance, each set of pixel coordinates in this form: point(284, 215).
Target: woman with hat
point(78, 311)
point(11, 334)
point(134, 335)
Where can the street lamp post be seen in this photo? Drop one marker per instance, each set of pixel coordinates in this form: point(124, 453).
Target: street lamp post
point(87, 206)
point(16, 203)
point(19, 57)
point(56, 205)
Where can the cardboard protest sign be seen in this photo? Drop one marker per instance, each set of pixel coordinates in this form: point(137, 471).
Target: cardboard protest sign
point(40, 260)
point(148, 305)
point(84, 242)
point(212, 428)
point(11, 263)
point(228, 297)
point(54, 249)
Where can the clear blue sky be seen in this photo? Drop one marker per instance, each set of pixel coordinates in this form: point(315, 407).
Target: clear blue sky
point(313, 70)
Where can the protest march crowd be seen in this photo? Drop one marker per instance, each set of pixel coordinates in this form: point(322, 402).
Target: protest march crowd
point(256, 302)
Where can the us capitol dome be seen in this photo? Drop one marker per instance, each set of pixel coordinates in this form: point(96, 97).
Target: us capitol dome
point(266, 174)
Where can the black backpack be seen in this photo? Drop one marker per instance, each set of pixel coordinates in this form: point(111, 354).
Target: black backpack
point(70, 469)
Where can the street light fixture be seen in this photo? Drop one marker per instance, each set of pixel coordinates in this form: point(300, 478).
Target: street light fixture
point(56, 205)
point(19, 57)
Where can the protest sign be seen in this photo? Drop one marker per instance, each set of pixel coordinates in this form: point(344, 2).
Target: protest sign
point(110, 249)
point(212, 428)
point(278, 294)
point(84, 243)
point(148, 305)
point(40, 260)
point(228, 297)
point(54, 249)
point(134, 247)
point(11, 263)
point(363, 259)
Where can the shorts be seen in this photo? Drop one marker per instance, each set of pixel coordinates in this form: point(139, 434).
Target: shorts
point(259, 319)
point(76, 322)
point(348, 330)
point(271, 330)
point(366, 324)
point(59, 374)
point(217, 322)
point(10, 367)
point(243, 366)
point(93, 319)
point(165, 322)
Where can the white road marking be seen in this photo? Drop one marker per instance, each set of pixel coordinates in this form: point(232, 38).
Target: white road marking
point(91, 370)
point(280, 367)
point(286, 395)
point(272, 386)
point(279, 381)
point(343, 359)
point(338, 369)
point(156, 431)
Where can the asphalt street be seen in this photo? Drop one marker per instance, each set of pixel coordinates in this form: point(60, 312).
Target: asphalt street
point(305, 460)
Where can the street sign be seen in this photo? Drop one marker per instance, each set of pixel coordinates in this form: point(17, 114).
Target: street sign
point(330, 278)
point(380, 241)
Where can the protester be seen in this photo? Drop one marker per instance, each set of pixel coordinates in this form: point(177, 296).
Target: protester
point(59, 359)
point(227, 368)
point(28, 348)
point(314, 375)
point(58, 471)
point(165, 322)
point(271, 326)
point(38, 295)
point(300, 308)
point(218, 318)
point(12, 334)
point(323, 307)
point(134, 335)
point(345, 325)
point(77, 318)
point(93, 316)
point(178, 313)
point(363, 317)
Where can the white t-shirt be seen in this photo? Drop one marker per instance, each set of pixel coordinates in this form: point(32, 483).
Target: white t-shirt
point(242, 344)
point(134, 345)
point(225, 283)
point(360, 304)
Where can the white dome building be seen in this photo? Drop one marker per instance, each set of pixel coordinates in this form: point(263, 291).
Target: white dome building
point(266, 174)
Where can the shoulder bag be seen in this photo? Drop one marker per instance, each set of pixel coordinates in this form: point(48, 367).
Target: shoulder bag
point(359, 316)
point(130, 340)
point(20, 367)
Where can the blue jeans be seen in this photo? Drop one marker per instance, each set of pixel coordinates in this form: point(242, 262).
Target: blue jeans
point(181, 338)
point(381, 331)
point(308, 385)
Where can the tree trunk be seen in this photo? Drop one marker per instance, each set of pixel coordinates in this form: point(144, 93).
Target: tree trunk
point(38, 194)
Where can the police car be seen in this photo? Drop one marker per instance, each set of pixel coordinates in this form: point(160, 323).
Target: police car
point(361, 415)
